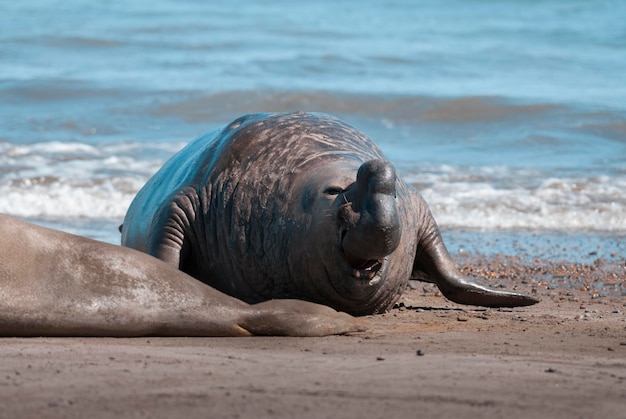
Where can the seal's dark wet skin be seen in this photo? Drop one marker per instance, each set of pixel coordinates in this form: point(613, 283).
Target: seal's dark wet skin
point(297, 205)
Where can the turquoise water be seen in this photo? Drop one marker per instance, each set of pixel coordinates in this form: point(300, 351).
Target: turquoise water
point(507, 115)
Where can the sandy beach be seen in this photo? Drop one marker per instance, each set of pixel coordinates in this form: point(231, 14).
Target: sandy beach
point(562, 358)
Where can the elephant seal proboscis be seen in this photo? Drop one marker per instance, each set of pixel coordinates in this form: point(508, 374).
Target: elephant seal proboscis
point(297, 205)
point(56, 284)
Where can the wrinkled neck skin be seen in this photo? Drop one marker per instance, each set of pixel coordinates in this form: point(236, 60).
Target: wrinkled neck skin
point(352, 221)
point(305, 207)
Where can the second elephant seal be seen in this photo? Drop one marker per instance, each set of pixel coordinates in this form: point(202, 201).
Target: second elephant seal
point(56, 284)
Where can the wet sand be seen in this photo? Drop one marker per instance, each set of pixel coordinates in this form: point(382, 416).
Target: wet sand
point(428, 357)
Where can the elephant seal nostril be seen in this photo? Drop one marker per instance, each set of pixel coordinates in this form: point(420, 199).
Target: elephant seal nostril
point(373, 224)
point(377, 176)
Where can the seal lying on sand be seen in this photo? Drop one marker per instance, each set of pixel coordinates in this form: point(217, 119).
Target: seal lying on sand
point(296, 205)
point(56, 284)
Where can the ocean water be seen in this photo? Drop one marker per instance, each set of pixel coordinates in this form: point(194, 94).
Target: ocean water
point(508, 116)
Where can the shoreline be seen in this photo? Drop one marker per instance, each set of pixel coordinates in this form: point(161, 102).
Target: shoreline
point(555, 242)
point(528, 245)
point(595, 259)
point(602, 278)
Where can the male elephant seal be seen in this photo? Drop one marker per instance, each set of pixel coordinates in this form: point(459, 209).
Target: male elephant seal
point(56, 284)
point(296, 205)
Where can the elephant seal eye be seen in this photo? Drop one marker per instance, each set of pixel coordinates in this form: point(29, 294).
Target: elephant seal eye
point(333, 190)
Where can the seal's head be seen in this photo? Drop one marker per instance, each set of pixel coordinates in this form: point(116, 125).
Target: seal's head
point(352, 227)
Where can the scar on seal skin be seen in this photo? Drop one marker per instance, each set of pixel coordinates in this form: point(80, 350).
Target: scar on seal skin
point(57, 284)
point(297, 205)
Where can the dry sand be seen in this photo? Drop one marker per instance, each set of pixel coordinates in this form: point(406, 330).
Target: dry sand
point(428, 357)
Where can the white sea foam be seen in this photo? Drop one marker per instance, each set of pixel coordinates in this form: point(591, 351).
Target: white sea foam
point(505, 202)
point(76, 180)
point(61, 199)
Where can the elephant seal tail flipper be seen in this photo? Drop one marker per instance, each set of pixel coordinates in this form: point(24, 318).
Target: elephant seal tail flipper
point(298, 318)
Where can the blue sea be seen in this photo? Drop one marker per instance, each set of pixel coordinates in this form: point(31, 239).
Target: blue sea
point(509, 116)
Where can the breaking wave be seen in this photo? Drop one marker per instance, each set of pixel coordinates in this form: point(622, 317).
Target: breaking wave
point(77, 180)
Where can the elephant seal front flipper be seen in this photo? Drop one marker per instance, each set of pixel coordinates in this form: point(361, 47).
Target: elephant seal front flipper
point(437, 263)
point(433, 259)
point(57, 284)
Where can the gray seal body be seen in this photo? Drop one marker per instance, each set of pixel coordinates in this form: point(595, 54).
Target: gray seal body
point(297, 205)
